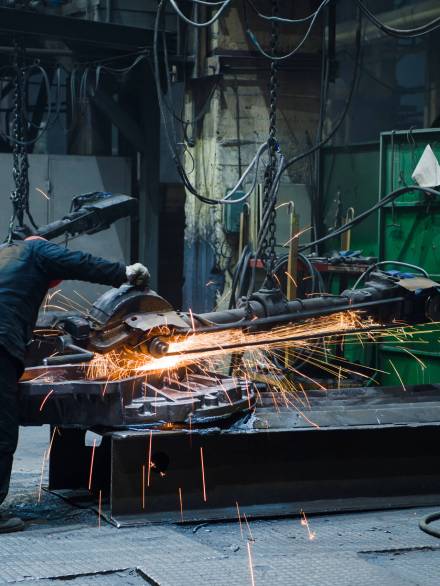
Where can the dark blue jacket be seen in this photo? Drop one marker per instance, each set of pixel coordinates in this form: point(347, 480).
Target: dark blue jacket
point(26, 269)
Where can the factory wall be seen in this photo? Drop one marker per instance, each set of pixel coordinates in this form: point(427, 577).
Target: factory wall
point(235, 125)
point(54, 180)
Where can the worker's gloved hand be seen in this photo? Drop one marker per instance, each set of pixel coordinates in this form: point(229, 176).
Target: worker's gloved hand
point(138, 275)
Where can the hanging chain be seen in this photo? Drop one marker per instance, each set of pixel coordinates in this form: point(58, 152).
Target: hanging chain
point(20, 170)
point(269, 241)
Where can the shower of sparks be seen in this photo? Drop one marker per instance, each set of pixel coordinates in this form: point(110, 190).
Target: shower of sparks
point(181, 504)
point(120, 364)
point(276, 357)
point(87, 301)
point(44, 401)
point(202, 462)
point(92, 460)
point(57, 301)
point(305, 523)
point(251, 565)
point(239, 519)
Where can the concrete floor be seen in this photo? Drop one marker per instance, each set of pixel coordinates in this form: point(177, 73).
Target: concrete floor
point(63, 545)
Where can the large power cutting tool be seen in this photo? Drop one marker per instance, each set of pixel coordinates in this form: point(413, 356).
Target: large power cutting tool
point(141, 321)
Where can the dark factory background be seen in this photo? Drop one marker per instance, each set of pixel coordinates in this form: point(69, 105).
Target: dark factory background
point(274, 164)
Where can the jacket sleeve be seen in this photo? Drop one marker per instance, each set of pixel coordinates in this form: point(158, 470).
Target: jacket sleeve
point(58, 262)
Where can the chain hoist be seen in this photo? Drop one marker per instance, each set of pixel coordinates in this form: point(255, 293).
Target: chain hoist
point(269, 241)
point(20, 170)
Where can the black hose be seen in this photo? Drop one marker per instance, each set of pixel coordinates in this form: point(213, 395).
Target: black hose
point(425, 524)
point(381, 203)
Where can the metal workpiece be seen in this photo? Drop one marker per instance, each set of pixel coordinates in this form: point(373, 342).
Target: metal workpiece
point(64, 395)
point(195, 399)
point(355, 448)
point(143, 321)
point(383, 297)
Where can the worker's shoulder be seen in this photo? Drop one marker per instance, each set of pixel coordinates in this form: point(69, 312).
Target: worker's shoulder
point(11, 251)
point(40, 244)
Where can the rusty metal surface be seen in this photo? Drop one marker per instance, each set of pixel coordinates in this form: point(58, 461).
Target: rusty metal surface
point(63, 395)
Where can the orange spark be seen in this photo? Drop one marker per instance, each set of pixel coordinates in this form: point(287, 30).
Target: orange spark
point(251, 537)
point(43, 193)
point(305, 523)
point(251, 566)
point(41, 477)
point(289, 276)
point(44, 401)
point(149, 458)
point(297, 235)
point(239, 519)
point(181, 504)
point(99, 509)
point(92, 459)
point(55, 429)
point(397, 374)
point(193, 325)
point(203, 474)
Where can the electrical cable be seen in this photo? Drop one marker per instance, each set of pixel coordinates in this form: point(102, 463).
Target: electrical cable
point(5, 136)
point(174, 154)
point(257, 45)
point(425, 524)
point(283, 20)
point(400, 33)
point(203, 110)
point(384, 201)
point(216, 16)
point(347, 105)
point(206, 3)
point(385, 262)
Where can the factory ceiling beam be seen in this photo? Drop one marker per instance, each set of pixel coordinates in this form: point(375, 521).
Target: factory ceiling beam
point(74, 30)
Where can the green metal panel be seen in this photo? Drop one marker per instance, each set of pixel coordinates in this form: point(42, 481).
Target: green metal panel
point(350, 178)
point(423, 368)
point(351, 174)
point(409, 231)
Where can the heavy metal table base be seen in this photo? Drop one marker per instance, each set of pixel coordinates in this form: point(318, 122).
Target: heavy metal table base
point(374, 448)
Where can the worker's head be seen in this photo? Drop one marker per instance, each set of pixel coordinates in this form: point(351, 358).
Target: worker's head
point(54, 283)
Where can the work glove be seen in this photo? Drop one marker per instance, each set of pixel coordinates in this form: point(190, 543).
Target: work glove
point(138, 275)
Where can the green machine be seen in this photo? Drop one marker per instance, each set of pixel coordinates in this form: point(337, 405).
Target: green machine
point(409, 231)
point(406, 231)
point(350, 180)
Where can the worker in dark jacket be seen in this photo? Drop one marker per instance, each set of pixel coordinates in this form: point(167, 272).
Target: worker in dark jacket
point(26, 272)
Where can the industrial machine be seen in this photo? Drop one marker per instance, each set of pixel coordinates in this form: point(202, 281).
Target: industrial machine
point(137, 373)
point(144, 324)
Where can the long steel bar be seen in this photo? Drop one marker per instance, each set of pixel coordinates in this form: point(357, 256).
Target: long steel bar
point(291, 317)
point(274, 341)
